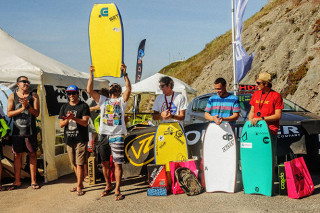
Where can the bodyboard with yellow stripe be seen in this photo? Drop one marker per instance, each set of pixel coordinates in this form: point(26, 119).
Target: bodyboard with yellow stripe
point(106, 40)
point(170, 144)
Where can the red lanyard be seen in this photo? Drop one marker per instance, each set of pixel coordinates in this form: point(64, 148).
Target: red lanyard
point(259, 113)
point(165, 98)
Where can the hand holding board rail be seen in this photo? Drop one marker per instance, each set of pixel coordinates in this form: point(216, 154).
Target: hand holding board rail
point(106, 40)
point(169, 144)
point(219, 158)
point(256, 158)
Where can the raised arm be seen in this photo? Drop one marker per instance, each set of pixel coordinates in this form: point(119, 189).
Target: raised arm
point(92, 93)
point(126, 94)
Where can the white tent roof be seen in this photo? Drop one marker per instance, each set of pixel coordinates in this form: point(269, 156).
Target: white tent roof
point(17, 59)
point(151, 85)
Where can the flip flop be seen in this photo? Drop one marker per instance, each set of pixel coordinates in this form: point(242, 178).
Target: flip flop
point(107, 192)
point(35, 186)
point(119, 197)
point(74, 189)
point(80, 193)
point(13, 187)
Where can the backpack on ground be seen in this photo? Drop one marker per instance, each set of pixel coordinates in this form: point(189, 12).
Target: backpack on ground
point(188, 181)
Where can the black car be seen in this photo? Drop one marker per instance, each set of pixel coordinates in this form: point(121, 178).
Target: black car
point(299, 131)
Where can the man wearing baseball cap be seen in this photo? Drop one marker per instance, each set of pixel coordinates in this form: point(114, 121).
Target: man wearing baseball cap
point(74, 117)
point(266, 104)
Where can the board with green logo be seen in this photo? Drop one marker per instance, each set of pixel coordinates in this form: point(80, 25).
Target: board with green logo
point(256, 158)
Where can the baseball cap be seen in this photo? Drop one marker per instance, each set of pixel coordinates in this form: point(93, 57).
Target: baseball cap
point(266, 77)
point(72, 88)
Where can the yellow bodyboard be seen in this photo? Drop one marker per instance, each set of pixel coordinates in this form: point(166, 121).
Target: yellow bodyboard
point(106, 40)
point(170, 144)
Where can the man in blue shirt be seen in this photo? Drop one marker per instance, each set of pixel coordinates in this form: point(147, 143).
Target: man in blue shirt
point(222, 106)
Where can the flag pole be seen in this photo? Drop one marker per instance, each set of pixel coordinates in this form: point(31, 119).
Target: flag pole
point(235, 89)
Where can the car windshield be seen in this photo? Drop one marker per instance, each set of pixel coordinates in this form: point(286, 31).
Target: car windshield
point(288, 106)
point(244, 99)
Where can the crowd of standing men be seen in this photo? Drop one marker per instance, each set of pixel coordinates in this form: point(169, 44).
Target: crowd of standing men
point(23, 107)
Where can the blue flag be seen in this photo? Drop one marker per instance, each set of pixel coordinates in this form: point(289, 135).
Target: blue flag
point(243, 60)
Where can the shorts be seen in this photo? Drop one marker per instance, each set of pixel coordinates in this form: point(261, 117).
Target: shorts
point(108, 145)
point(22, 144)
point(77, 153)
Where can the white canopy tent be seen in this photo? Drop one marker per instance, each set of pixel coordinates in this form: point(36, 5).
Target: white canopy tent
point(17, 59)
point(151, 85)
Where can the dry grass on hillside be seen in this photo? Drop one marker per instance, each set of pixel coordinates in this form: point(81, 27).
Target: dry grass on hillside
point(190, 69)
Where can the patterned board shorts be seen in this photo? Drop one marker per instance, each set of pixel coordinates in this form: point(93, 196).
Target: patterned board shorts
point(111, 145)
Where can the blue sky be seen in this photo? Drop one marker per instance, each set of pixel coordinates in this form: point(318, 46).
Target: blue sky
point(176, 29)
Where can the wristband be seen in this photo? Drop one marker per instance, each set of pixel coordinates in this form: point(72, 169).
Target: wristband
point(126, 74)
point(262, 118)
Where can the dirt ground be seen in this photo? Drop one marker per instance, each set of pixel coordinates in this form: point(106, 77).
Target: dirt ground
point(55, 197)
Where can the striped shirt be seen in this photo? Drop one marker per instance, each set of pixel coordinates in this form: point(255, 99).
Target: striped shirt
point(223, 106)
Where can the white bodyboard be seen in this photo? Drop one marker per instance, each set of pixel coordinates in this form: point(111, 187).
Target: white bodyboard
point(219, 158)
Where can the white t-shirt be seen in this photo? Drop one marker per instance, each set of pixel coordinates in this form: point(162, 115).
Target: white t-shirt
point(179, 103)
point(112, 116)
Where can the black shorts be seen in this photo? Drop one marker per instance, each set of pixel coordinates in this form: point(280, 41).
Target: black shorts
point(108, 145)
point(22, 144)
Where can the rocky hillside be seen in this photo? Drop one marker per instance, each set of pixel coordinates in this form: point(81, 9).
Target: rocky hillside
point(285, 37)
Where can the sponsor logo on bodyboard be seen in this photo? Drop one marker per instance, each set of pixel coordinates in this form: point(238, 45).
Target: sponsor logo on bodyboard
point(227, 137)
point(177, 134)
point(104, 12)
point(228, 146)
point(246, 145)
point(244, 137)
point(266, 140)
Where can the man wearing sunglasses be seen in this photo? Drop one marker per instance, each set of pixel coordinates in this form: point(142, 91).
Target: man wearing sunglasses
point(23, 106)
point(266, 104)
point(171, 106)
point(74, 117)
point(112, 129)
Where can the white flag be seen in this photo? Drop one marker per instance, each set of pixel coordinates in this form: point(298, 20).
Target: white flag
point(243, 60)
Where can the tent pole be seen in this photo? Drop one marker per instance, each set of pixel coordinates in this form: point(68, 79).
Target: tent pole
point(42, 129)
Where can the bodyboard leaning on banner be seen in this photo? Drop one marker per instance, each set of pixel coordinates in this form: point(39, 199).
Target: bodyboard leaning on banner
point(170, 144)
point(106, 40)
point(220, 158)
point(256, 159)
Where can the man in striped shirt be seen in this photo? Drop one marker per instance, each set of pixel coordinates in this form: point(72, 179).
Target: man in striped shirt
point(222, 107)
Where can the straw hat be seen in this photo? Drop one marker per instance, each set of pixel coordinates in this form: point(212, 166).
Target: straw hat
point(266, 77)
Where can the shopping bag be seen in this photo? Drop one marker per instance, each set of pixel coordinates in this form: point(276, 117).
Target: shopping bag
point(299, 182)
point(190, 164)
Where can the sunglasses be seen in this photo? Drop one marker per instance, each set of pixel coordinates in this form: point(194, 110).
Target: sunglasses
point(25, 81)
point(162, 85)
point(72, 93)
point(259, 83)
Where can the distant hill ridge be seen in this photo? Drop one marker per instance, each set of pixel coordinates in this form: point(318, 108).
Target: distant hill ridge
point(285, 36)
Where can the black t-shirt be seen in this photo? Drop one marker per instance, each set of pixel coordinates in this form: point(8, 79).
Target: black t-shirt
point(25, 122)
point(73, 132)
